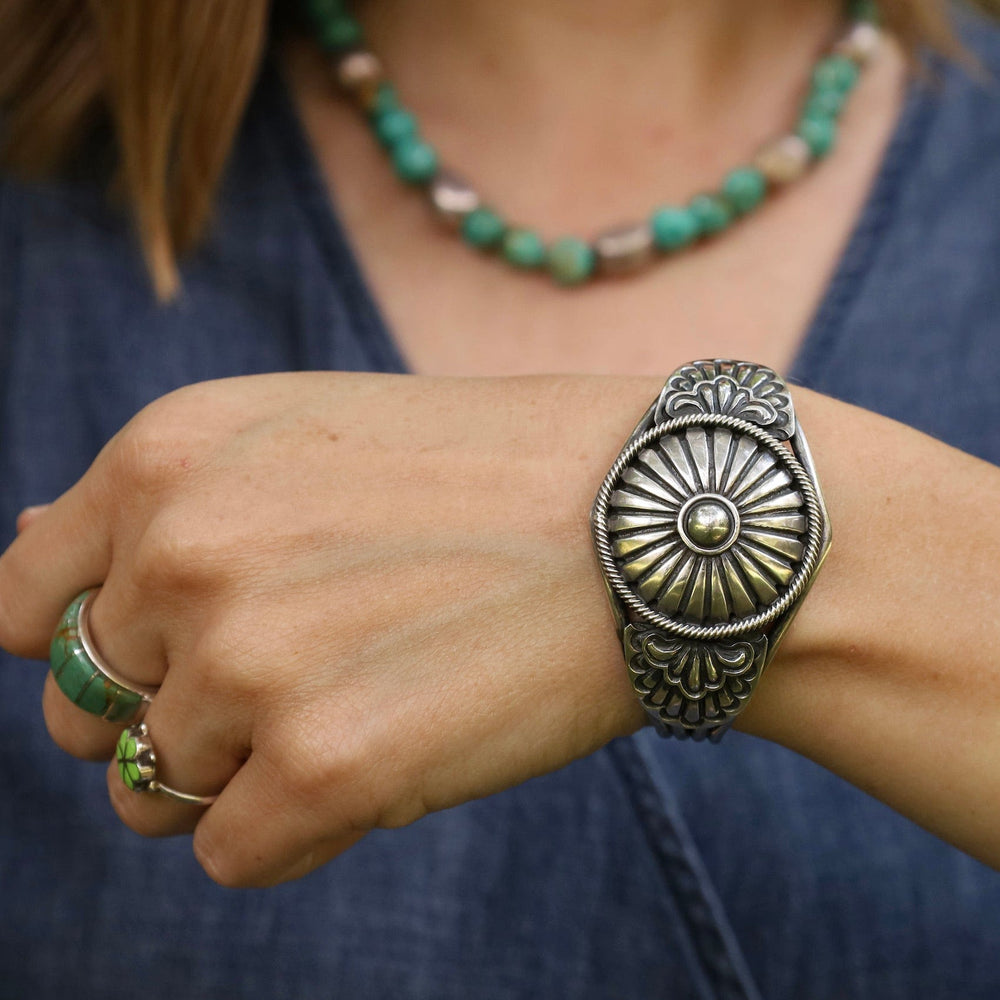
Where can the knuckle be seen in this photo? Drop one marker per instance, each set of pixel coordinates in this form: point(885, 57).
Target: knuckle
point(145, 455)
point(315, 770)
point(157, 447)
point(349, 768)
point(225, 666)
point(175, 553)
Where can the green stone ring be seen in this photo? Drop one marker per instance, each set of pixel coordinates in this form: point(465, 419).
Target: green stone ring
point(82, 673)
point(136, 761)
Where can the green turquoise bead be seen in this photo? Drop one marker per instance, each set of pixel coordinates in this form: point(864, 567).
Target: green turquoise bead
point(865, 10)
point(415, 160)
point(819, 132)
point(712, 212)
point(323, 10)
point(744, 188)
point(339, 32)
point(571, 261)
point(394, 125)
point(673, 228)
point(483, 228)
point(524, 248)
point(836, 73)
point(827, 102)
point(386, 99)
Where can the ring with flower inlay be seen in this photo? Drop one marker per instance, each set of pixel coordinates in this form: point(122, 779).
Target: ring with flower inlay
point(136, 761)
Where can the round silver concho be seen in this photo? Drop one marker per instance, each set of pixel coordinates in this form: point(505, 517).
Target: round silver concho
point(708, 527)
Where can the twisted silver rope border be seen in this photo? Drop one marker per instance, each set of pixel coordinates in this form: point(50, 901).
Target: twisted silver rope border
point(756, 622)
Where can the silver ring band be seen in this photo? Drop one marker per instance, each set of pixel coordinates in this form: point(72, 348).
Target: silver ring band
point(136, 761)
point(82, 673)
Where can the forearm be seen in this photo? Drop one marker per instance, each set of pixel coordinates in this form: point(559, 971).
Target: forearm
point(888, 675)
point(391, 579)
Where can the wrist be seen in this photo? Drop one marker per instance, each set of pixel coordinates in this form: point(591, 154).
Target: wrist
point(709, 529)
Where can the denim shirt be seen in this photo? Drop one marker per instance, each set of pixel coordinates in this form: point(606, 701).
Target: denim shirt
point(649, 869)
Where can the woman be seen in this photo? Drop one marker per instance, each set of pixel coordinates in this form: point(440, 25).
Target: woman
point(364, 599)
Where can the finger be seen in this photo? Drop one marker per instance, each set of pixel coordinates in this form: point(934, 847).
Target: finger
point(254, 836)
point(128, 631)
point(200, 743)
point(77, 732)
point(29, 515)
point(75, 723)
point(67, 550)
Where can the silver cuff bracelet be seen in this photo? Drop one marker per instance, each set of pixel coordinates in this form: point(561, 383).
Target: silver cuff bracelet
point(709, 529)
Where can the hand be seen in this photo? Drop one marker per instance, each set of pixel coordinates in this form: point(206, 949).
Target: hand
point(363, 598)
point(368, 597)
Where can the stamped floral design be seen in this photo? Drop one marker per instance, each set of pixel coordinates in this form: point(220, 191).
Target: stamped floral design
point(734, 388)
point(688, 685)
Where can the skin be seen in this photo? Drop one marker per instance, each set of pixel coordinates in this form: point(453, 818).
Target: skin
point(362, 595)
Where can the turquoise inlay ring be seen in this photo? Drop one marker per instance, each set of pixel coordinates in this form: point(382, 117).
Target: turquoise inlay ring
point(136, 761)
point(83, 675)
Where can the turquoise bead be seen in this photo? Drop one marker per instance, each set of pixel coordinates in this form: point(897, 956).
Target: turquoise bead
point(415, 160)
point(673, 228)
point(524, 248)
point(394, 125)
point(323, 10)
point(483, 228)
point(341, 32)
point(826, 102)
point(744, 188)
point(865, 10)
point(712, 212)
point(836, 73)
point(819, 132)
point(386, 99)
point(571, 261)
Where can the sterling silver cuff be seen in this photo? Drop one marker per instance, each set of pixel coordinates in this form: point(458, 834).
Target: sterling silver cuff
point(709, 530)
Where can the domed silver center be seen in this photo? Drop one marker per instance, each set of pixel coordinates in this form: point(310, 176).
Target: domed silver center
point(708, 524)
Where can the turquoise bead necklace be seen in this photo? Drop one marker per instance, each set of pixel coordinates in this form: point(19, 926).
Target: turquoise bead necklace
point(670, 228)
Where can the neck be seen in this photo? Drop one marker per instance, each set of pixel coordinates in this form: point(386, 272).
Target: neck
point(701, 47)
point(667, 86)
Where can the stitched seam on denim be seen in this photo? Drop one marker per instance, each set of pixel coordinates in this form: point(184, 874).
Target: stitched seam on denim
point(866, 240)
point(709, 941)
point(317, 204)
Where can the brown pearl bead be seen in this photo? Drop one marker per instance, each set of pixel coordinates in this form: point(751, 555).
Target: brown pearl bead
point(861, 42)
point(624, 248)
point(784, 160)
point(360, 73)
point(451, 198)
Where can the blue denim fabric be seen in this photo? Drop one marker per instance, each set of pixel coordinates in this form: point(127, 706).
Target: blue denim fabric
point(651, 869)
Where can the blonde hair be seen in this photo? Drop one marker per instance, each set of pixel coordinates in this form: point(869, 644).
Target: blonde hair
point(174, 77)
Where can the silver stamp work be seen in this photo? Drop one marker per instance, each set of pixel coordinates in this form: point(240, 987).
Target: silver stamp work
point(709, 529)
point(707, 524)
